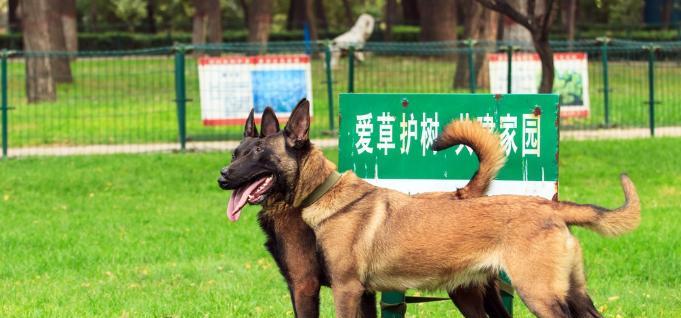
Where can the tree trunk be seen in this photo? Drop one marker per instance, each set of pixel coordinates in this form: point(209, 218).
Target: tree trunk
point(390, 17)
point(151, 16)
point(92, 13)
point(207, 24)
point(347, 10)
point(302, 12)
point(481, 24)
point(61, 61)
point(199, 23)
point(410, 12)
point(13, 21)
point(311, 20)
point(666, 13)
point(320, 13)
point(541, 44)
point(568, 16)
point(471, 31)
point(244, 7)
point(537, 25)
point(438, 20)
point(40, 85)
point(296, 15)
point(70, 26)
point(259, 21)
point(513, 31)
point(488, 33)
point(215, 22)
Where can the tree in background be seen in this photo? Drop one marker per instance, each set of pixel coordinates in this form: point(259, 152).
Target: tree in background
point(480, 24)
point(320, 15)
point(150, 19)
point(410, 12)
point(568, 12)
point(308, 12)
point(40, 84)
point(13, 19)
point(207, 22)
point(625, 12)
point(390, 18)
point(347, 10)
point(514, 31)
point(311, 19)
point(666, 14)
point(438, 20)
point(537, 23)
point(60, 60)
point(132, 12)
point(259, 20)
point(69, 21)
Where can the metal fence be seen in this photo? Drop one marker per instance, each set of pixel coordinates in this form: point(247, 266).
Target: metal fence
point(148, 100)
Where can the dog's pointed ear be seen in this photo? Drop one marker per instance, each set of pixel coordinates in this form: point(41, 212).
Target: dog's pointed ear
point(298, 125)
point(269, 125)
point(249, 129)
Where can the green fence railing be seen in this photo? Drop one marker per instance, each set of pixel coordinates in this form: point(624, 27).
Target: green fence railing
point(150, 99)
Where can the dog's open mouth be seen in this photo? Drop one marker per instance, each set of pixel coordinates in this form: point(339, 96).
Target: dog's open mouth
point(253, 193)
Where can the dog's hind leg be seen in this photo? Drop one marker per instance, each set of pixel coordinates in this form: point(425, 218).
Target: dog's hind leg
point(492, 300)
point(578, 300)
point(347, 296)
point(540, 272)
point(469, 301)
point(368, 305)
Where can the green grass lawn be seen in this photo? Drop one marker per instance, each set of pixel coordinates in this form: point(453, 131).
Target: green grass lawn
point(131, 99)
point(146, 236)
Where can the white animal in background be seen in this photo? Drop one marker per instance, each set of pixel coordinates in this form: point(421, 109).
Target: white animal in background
point(356, 37)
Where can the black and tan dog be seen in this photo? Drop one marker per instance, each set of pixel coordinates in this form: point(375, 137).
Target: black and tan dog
point(294, 247)
point(375, 239)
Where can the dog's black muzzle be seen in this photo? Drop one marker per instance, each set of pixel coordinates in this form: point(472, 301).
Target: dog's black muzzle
point(223, 180)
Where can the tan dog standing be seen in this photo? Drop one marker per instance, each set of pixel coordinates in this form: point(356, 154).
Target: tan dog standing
point(375, 239)
point(292, 243)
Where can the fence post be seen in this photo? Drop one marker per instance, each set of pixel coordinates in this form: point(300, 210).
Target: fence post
point(3, 83)
point(606, 85)
point(509, 70)
point(651, 87)
point(471, 65)
point(506, 292)
point(329, 84)
point(351, 69)
point(180, 94)
point(393, 305)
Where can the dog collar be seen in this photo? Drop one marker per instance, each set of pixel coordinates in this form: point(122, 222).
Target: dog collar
point(322, 189)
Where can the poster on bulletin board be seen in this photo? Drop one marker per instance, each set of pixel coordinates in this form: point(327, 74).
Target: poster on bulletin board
point(231, 85)
point(571, 81)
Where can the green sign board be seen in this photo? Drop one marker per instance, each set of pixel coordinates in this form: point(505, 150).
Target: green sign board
point(386, 139)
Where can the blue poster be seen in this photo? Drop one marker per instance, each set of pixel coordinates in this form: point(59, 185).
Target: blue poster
point(279, 89)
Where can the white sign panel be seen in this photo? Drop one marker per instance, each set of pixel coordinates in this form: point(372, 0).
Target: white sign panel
point(571, 80)
point(231, 85)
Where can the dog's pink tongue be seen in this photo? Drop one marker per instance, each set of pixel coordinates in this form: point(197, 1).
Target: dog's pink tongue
point(239, 198)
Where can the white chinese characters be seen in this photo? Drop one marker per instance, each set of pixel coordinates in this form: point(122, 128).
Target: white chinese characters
point(364, 129)
point(408, 132)
point(385, 132)
point(423, 128)
point(508, 124)
point(531, 133)
point(429, 128)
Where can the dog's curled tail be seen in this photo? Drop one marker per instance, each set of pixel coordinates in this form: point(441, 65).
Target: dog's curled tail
point(486, 146)
point(604, 221)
